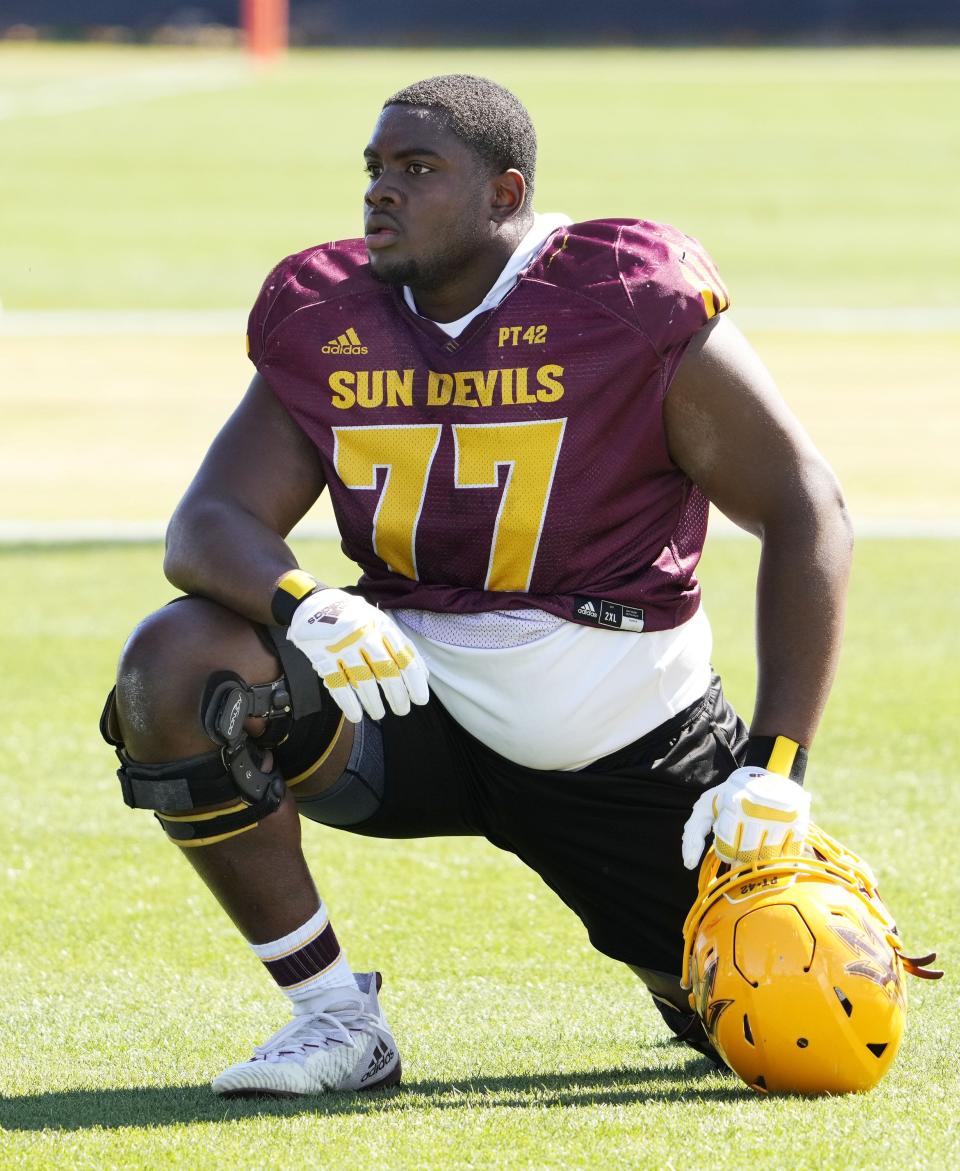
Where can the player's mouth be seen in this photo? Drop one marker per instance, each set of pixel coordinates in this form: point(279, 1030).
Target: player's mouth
point(381, 231)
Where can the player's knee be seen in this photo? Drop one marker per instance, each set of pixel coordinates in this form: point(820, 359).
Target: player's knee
point(164, 669)
point(196, 690)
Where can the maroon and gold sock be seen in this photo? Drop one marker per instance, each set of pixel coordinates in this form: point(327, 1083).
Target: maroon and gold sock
point(307, 962)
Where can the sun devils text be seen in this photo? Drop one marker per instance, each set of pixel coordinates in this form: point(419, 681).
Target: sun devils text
point(503, 387)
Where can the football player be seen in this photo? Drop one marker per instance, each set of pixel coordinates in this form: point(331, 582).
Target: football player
point(520, 421)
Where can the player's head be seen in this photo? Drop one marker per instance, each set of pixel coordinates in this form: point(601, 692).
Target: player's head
point(451, 165)
point(797, 971)
point(485, 116)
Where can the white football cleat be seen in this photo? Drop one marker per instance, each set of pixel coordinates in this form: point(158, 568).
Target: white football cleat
point(346, 1046)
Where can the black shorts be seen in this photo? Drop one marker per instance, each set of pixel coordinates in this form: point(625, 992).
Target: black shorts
point(605, 838)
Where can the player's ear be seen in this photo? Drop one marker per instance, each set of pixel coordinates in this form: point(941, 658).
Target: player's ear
point(507, 194)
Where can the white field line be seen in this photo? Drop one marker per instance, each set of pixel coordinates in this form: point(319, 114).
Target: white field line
point(136, 85)
point(106, 532)
point(118, 322)
point(211, 322)
point(835, 319)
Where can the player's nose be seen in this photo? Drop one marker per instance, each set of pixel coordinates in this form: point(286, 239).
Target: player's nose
point(380, 193)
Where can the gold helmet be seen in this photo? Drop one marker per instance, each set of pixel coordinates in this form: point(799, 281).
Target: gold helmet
point(796, 969)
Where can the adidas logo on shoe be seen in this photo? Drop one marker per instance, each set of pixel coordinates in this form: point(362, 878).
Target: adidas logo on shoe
point(588, 610)
point(382, 1056)
point(346, 343)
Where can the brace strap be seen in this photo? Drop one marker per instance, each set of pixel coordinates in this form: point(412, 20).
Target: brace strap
point(214, 777)
point(178, 785)
point(205, 829)
point(303, 682)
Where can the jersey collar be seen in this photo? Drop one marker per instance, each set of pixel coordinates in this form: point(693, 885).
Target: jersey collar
point(543, 227)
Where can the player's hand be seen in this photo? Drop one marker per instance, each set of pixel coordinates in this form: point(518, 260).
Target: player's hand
point(358, 650)
point(755, 815)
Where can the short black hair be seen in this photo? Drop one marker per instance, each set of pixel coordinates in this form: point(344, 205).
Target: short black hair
point(486, 116)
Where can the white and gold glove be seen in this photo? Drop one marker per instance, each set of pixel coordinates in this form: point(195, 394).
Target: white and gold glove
point(358, 651)
point(754, 815)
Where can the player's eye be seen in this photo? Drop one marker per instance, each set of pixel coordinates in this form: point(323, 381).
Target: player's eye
point(419, 169)
point(372, 170)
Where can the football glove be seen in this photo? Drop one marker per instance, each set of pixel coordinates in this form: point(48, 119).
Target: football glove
point(358, 650)
point(755, 815)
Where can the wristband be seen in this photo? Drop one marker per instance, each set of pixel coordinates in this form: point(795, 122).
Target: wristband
point(292, 588)
point(777, 754)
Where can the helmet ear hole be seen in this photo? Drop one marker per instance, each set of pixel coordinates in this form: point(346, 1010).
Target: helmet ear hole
point(844, 1002)
point(747, 1031)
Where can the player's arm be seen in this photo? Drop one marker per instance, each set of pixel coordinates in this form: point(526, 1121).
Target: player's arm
point(259, 477)
point(732, 433)
point(226, 541)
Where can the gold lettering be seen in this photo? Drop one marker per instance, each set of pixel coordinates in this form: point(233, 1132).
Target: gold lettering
point(534, 335)
point(550, 388)
point(399, 388)
point(463, 380)
point(485, 384)
point(523, 395)
point(512, 385)
point(366, 396)
point(340, 383)
point(509, 333)
point(439, 389)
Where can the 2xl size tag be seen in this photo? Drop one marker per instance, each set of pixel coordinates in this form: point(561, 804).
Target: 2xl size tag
point(610, 614)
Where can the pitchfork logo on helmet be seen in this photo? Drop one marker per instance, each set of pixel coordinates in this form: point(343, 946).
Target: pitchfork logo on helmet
point(797, 971)
point(878, 962)
point(709, 1010)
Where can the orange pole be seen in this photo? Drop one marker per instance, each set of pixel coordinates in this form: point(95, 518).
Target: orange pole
point(265, 26)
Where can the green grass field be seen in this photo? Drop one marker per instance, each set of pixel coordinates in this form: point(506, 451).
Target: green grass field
point(154, 179)
point(123, 988)
point(806, 173)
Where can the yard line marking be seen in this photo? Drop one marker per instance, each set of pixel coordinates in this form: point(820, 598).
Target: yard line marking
point(838, 319)
point(119, 532)
point(118, 322)
point(209, 322)
point(907, 528)
point(87, 93)
point(107, 532)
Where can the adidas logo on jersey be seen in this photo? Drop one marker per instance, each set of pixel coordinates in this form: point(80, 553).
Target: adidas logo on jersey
point(613, 615)
point(346, 343)
point(381, 1056)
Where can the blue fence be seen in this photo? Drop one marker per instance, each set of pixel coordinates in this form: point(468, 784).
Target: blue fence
point(519, 21)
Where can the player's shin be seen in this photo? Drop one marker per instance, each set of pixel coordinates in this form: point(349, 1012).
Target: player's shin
point(261, 880)
point(257, 874)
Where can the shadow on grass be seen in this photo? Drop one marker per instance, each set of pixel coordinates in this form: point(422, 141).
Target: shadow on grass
point(172, 1105)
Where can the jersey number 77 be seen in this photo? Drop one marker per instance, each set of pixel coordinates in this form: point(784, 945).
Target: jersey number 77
point(528, 450)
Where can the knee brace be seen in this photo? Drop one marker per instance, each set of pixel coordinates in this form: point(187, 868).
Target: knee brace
point(230, 773)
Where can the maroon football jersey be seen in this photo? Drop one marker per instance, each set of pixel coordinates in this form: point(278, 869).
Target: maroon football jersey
point(522, 464)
